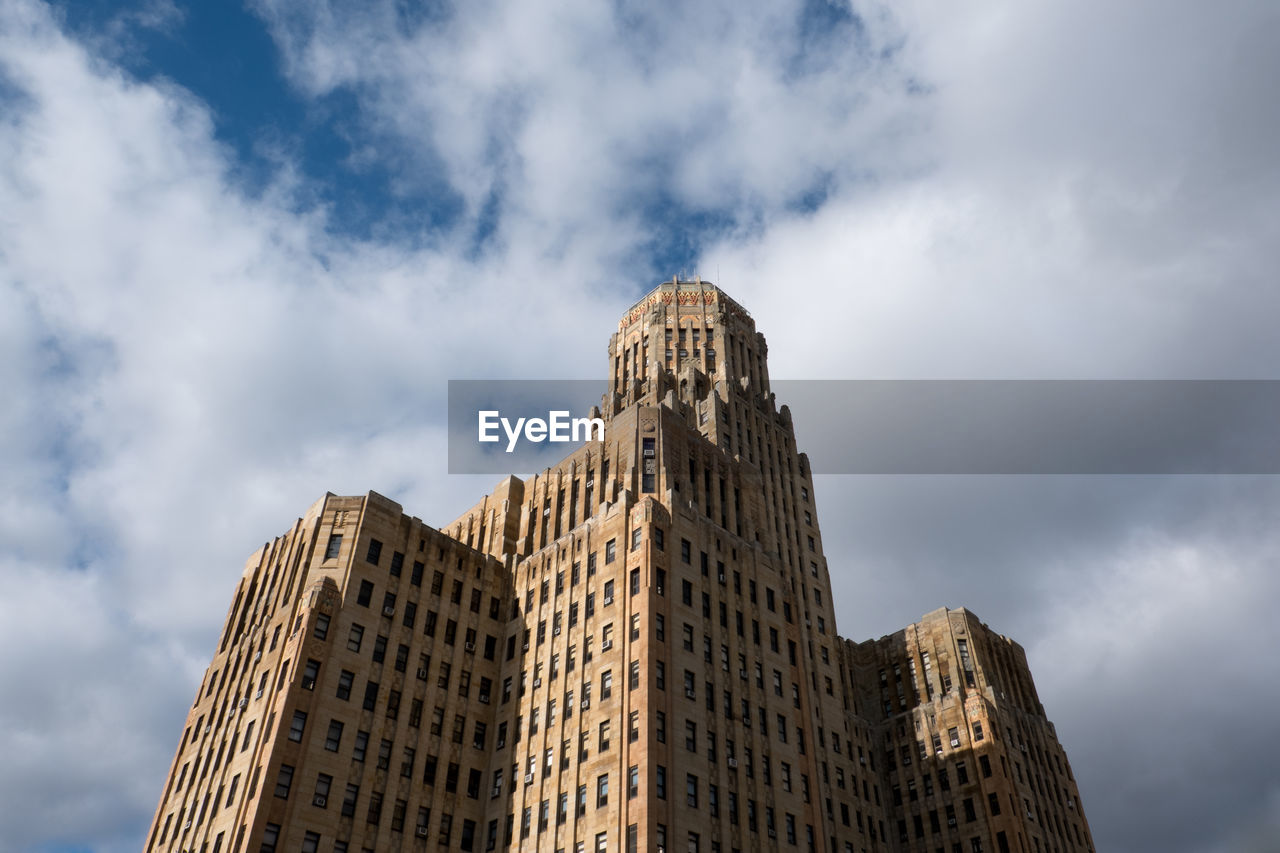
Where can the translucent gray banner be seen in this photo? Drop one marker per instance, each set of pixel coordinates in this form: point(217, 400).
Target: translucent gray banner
point(944, 426)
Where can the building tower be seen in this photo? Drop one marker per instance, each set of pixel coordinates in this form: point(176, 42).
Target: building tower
point(632, 650)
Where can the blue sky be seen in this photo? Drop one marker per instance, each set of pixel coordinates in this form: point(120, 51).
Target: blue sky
point(243, 247)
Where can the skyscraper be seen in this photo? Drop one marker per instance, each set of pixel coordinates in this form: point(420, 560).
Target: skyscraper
point(632, 650)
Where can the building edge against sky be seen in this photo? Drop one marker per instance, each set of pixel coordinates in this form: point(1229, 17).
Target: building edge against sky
point(634, 649)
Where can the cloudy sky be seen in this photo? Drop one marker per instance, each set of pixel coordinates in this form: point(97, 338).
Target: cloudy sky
point(242, 248)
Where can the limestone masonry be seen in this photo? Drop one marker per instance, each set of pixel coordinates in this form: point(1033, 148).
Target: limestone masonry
point(633, 650)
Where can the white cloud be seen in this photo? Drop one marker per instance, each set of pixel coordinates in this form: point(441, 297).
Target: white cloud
point(1053, 190)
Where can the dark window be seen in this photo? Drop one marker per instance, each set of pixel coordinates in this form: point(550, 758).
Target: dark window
point(334, 738)
point(375, 552)
point(284, 781)
point(298, 725)
point(309, 674)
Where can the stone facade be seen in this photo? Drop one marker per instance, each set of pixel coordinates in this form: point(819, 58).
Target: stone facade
point(632, 650)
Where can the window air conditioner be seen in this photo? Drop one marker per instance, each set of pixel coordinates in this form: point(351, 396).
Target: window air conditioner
point(606, 645)
point(471, 647)
point(388, 610)
point(422, 673)
point(528, 778)
point(733, 762)
point(421, 832)
point(318, 800)
point(586, 703)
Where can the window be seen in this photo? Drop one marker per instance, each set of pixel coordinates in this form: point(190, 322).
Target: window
point(310, 673)
point(297, 727)
point(361, 745)
point(334, 738)
point(335, 545)
point(691, 790)
point(610, 551)
point(365, 594)
point(349, 800)
point(633, 782)
point(270, 835)
point(323, 783)
point(602, 790)
point(633, 727)
point(375, 552)
point(283, 781)
point(322, 626)
point(406, 764)
point(660, 780)
point(604, 735)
